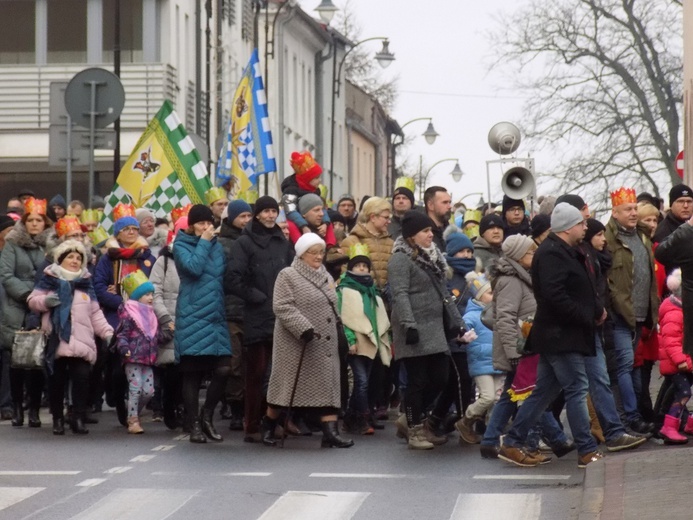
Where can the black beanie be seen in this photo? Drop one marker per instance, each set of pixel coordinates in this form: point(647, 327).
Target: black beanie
point(678, 191)
point(263, 203)
point(335, 216)
point(406, 192)
point(358, 259)
point(5, 222)
point(540, 224)
point(574, 200)
point(593, 227)
point(511, 203)
point(200, 213)
point(489, 221)
point(414, 221)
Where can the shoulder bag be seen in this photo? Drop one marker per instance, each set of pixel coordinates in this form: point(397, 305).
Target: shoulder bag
point(451, 316)
point(28, 349)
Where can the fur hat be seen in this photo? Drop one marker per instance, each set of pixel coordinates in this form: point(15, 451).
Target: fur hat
point(674, 281)
point(307, 241)
point(63, 249)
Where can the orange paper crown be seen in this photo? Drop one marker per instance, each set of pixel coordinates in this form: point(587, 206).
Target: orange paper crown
point(67, 225)
point(123, 210)
point(38, 206)
point(304, 164)
point(623, 196)
point(177, 213)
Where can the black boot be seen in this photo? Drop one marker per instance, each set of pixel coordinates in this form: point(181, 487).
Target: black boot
point(18, 415)
point(121, 411)
point(196, 434)
point(268, 426)
point(58, 426)
point(208, 427)
point(34, 420)
point(331, 438)
point(226, 411)
point(77, 424)
point(236, 423)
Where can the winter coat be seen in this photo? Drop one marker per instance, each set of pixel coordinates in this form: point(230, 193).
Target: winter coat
point(523, 228)
point(379, 246)
point(666, 227)
point(394, 228)
point(567, 304)
point(19, 261)
point(485, 252)
point(513, 300)
point(479, 351)
point(133, 345)
point(300, 304)
point(678, 250)
point(105, 275)
point(671, 352)
point(458, 288)
point(257, 257)
point(620, 276)
point(86, 318)
point(166, 281)
point(416, 302)
point(201, 328)
point(233, 304)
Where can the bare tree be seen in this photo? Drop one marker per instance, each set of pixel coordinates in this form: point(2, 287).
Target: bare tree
point(604, 81)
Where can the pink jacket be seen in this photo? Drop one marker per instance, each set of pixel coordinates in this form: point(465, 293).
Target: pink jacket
point(87, 320)
point(671, 352)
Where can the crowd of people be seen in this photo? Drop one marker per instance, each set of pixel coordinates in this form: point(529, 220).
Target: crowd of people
point(295, 317)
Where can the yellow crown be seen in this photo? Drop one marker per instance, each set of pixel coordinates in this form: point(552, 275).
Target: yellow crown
point(123, 210)
point(406, 182)
point(249, 196)
point(472, 231)
point(89, 216)
point(177, 213)
point(98, 236)
point(324, 191)
point(133, 281)
point(359, 250)
point(623, 196)
point(214, 194)
point(37, 206)
point(472, 215)
point(67, 225)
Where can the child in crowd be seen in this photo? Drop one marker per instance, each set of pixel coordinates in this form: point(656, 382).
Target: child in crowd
point(305, 180)
point(137, 339)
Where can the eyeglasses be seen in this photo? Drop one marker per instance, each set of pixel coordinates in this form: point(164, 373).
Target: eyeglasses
point(316, 253)
point(517, 209)
point(386, 217)
point(130, 229)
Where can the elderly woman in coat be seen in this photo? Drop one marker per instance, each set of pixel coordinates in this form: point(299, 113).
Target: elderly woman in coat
point(417, 274)
point(305, 356)
point(202, 342)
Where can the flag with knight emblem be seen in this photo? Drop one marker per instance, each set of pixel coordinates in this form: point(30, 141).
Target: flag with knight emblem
point(247, 149)
point(163, 172)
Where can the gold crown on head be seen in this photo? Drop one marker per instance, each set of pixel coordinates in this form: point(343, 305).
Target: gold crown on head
point(134, 280)
point(324, 191)
point(471, 231)
point(359, 250)
point(214, 194)
point(623, 196)
point(68, 224)
point(98, 236)
point(123, 210)
point(37, 206)
point(89, 216)
point(406, 182)
point(250, 196)
point(177, 213)
point(472, 215)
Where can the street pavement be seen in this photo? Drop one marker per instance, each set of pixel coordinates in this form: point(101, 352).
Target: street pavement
point(110, 474)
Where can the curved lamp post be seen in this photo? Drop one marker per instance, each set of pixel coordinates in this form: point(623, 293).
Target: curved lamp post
point(456, 173)
point(430, 135)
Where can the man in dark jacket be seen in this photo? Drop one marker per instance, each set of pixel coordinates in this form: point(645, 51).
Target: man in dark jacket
point(563, 334)
point(257, 256)
point(437, 203)
point(238, 214)
point(402, 201)
point(680, 210)
point(514, 219)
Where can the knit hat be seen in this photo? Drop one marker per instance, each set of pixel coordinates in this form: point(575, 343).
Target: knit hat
point(98, 202)
point(406, 192)
point(305, 167)
point(593, 227)
point(335, 216)
point(648, 197)
point(63, 249)
point(574, 200)
point(308, 202)
point(490, 221)
point(143, 213)
point(26, 192)
point(57, 200)
point(456, 241)
point(540, 223)
point(674, 281)
point(136, 285)
point(124, 222)
point(358, 253)
point(307, 241)
point(267, 202)
point(200, 213)
point(414, 221)
point(564, 217)
point(477, 284)
point(235, 208)
point(516, 246)
point(5, 222)
point(346, 196)
point(678, 191)
point(511, 203)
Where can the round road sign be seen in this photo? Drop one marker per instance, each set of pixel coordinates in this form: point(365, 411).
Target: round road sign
point(108, 91)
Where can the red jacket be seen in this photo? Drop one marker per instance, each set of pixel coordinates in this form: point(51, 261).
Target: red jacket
point(671, 338)
point(295, 233)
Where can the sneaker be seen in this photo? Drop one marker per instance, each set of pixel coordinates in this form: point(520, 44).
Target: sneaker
point(157, 416)
point(134, 425)
point(625, 442)
point(537, 454)
point(640, 426)
point(544, 448)
point(517, 456)
point(487, 452)
point(594, 456)
point(402, 428)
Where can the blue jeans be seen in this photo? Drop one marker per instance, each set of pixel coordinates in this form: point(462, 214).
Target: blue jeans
point(602, 398)
point(557, 372)
point(361, 369)
point(625, 341)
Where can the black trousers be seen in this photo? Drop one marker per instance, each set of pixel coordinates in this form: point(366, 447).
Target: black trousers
point(426, 375)
point(77, 371)
point(460, 387)
point(215, 390)
point(33, 379)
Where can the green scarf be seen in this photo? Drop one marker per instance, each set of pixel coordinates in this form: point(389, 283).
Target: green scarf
point(369, 294)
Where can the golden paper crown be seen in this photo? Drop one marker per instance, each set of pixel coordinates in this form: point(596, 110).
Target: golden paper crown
point(123, 210)
point(214, 194)
point(90, 216)
point(324, 191)
point(471, 231)
point(177, 213)
point(98, 236)
point(359, 250)
point(623, 196)
point(304, 164)
point(67, 225)
point(406, 182)
point(250, 196)
point(472, 215)
point(37, 206)
point(133, 281)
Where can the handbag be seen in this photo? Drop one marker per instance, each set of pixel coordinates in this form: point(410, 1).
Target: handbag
point(451, 316)
point(28, 349)
point(488, 315)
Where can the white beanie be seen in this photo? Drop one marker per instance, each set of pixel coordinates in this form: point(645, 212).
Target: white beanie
point(307, 241)
point(564, 217)
point(674, 281)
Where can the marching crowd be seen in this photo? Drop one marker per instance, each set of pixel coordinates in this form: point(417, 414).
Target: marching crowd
point(296, 318)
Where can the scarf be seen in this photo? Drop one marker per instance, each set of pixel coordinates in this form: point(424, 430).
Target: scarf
point(461, 265)
point(143, 316)
point(363, 284)
point(435, 265)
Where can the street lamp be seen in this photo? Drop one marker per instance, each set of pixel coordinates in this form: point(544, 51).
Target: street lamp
point(456, 173)
point(326, 10)
point(430, 135)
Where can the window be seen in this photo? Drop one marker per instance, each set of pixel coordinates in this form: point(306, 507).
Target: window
point(17, 39)
point(130, 30)
point(67, 31)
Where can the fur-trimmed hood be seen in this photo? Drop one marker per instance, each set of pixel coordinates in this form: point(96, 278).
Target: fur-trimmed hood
point(70, 245)
point(21, 237)
point(505, 266)
point(438, 267)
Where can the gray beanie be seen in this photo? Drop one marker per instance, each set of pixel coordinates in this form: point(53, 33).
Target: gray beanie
point(564, 217)
point(308, 202)
point(516, 246)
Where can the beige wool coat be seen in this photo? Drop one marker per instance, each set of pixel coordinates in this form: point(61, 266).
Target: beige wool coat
point(299, 304)
point(379, 246)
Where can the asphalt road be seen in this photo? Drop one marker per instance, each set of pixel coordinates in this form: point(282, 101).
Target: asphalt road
point(110, 475)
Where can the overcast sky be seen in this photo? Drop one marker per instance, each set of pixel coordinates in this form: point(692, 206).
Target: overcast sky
point(442, 55)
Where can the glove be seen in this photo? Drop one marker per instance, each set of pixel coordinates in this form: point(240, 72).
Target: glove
point(469, 336)
point(52, 300)
point(412, 337)
point(308, 336)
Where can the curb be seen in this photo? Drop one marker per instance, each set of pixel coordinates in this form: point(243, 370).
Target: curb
point(593, 491)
